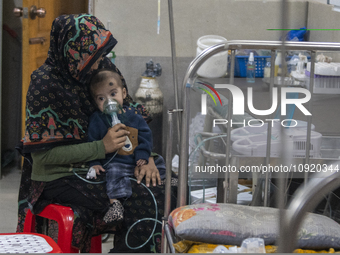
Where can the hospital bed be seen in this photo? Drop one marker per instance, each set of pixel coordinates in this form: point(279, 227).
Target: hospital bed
point(309, 194)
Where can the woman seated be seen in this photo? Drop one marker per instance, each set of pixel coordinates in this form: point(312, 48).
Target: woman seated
point(58, 108)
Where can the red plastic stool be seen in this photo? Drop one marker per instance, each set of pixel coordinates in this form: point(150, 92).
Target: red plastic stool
point(64, 216)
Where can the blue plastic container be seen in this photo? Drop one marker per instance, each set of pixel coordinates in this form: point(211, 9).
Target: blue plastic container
point(241, 65)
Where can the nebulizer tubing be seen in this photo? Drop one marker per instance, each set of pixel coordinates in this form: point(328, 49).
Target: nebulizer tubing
point(155, 220)
point(111, 107)
point(144, 219)
point(193, 153)
point(85, 180)
point(159, 16)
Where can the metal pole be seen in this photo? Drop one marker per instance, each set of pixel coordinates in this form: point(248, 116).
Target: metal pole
point(184, 146)
point(269, 134)
point(0, 79)
point(270, 45)
point(90, 7)
point(174, 64)
point(309, 118)
point(168, 236)
point(227, 180)
point(164, 246)
point(167, 198)
point(168, 160)
point(284, 154)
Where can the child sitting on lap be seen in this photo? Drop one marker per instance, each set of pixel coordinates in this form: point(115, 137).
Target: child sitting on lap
point(119, 166)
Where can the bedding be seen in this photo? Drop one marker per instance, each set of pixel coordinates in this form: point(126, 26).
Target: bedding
point(230, 224)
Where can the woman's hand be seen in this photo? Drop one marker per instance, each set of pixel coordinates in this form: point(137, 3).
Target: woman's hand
point(150, 171)
point(115, 138)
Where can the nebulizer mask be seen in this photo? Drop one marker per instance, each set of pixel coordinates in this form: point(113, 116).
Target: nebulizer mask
point(112, 107)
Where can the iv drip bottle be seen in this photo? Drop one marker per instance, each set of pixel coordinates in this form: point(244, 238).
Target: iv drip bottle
point(278, 63)
point(266, 73)
point(251, 68)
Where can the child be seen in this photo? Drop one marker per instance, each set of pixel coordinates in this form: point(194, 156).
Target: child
point(104, 85)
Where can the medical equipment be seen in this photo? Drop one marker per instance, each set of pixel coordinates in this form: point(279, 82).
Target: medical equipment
point(112, 107)
point(326, 77)
point(151, 97)
point(217, 65)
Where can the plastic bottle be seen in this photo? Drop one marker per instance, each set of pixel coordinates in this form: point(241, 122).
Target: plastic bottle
point(301, 64)
point(267, 68)
point(251, 68)
point(221, 249)
point(292, 64)
point(112, 56)
point(278, 63)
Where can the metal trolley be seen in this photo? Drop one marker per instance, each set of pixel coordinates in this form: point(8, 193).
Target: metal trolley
point(306, 198)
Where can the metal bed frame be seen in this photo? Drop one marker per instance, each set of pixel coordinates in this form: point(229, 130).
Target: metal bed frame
point(299, 205)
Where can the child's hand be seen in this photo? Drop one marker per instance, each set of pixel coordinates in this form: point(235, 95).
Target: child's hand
point(91, 173)
point(141, 162)
point(94, 171)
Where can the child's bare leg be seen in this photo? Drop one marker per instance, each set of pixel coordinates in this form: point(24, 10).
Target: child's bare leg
point(111, 200)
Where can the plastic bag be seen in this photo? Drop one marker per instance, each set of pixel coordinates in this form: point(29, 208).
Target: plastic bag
point(296, 35)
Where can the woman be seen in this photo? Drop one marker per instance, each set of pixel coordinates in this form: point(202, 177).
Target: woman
point(57, 111)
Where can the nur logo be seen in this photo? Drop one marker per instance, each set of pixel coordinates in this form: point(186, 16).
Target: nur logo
point(204, 97)
point(238, 99)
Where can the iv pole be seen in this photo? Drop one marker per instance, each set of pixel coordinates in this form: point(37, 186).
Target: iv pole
point(165, 240)
point(174, 64)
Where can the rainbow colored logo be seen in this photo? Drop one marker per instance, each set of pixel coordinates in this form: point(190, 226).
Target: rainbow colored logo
point(209, 93)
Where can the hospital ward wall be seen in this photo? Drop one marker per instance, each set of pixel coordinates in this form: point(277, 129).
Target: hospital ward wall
point(134, 24)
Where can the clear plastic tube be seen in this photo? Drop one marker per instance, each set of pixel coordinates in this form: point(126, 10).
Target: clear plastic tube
point(193, 153)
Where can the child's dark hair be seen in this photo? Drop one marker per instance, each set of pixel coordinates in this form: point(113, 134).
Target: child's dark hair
point(101, 75)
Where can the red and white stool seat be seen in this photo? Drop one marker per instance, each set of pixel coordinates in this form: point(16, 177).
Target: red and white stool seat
point(27, 243)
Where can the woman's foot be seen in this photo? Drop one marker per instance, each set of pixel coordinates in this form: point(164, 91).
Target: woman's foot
point(115, 212)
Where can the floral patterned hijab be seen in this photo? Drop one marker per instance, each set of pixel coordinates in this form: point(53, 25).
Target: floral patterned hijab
point(58, 101)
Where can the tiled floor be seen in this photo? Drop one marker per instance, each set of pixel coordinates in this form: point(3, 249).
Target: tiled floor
point(9, 187)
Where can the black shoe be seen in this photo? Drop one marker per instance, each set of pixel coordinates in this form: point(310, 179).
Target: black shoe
point(115, 212)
